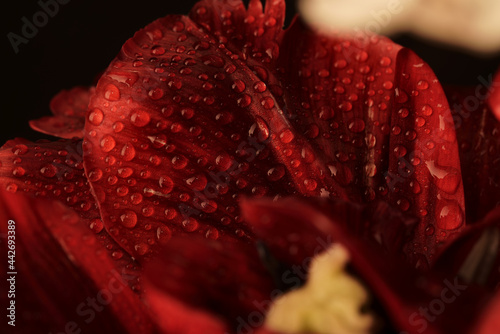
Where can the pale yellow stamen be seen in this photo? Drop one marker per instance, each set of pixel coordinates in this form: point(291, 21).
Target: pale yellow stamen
point(330, 302)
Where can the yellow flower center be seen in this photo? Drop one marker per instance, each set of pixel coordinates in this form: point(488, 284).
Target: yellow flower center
point(330, 302)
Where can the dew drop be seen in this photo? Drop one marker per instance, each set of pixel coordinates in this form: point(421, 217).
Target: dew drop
point(96, 225)
point(96, 116)
point(427, 110)
point(108, 143)
point(385, 61)
point(356, 125)
point(198, 182)
point(18, 171)
point(156, 94)
point(276, 173)
point(179, 162)
point(111, 93)
point(244, 101)
point(429, 230)
point(128, 219)
point(190, 224)
point(238, 86)
point(166, 184)
point(286, 136)
point(449, 216)
point(128, 152)
point(140, 118)
point(422, 85)
point(310, 184)
point(141, 248)
point(48, 171)
point(95, 175)
point(11, 187)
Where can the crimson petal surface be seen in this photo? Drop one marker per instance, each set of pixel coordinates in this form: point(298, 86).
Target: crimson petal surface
point(69, 108)
point(67, 271)
point(195, 112)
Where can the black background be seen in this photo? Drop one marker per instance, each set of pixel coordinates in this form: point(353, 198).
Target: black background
point(85, 35)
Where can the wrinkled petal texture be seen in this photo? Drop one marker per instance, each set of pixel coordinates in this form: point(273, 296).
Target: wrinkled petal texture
point(297, 230)
point(195, 112)
point(69, 108)
point(478, 134)
point(66, 270)
point(54, 170)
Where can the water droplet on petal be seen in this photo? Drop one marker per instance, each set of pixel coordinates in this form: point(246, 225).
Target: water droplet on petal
point(276, 173)
point(286, 136)
point(107, 143)
point(128, 219)
point(422, 85)
point(128, 152)
point(356, 125)
point(140, 118)
point(48, 171)
point(190, 224)
point(111, 93)
point(449, 215)
point(96, 116)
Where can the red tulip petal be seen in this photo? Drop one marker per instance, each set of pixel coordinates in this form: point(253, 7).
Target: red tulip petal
point(68, 271)
point(174, 316)
point(377, 117)
point(249, 31)
point(494, 98)
point(490, 321)
point(69, 108)
point(295, 231)
point(188, 119)
point(173, 129)
point(227, 278)
point(478, 134)
point(54, 170)
point(475, 254)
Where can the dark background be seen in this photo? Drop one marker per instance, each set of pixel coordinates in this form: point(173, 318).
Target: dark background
point(85, 35)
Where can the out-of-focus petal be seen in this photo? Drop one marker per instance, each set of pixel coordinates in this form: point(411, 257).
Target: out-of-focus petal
point(474, 255)
point(68, 272)
point(295, 231)
point(54, 170)
point(226, 278)
point(470, 24)
point(69, 108)
point(494, 98)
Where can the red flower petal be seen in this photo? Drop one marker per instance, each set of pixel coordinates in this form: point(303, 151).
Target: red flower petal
point(377, 117)
point(69, 108)
point(174, 316)
point(475, 254)
point(295, 231)
point(225, 278)
point(187, 119)
point(180, 142)
point(478, 134)
point(54, 170)
point(494, 98)
point(490, 321)
point(66, 270)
